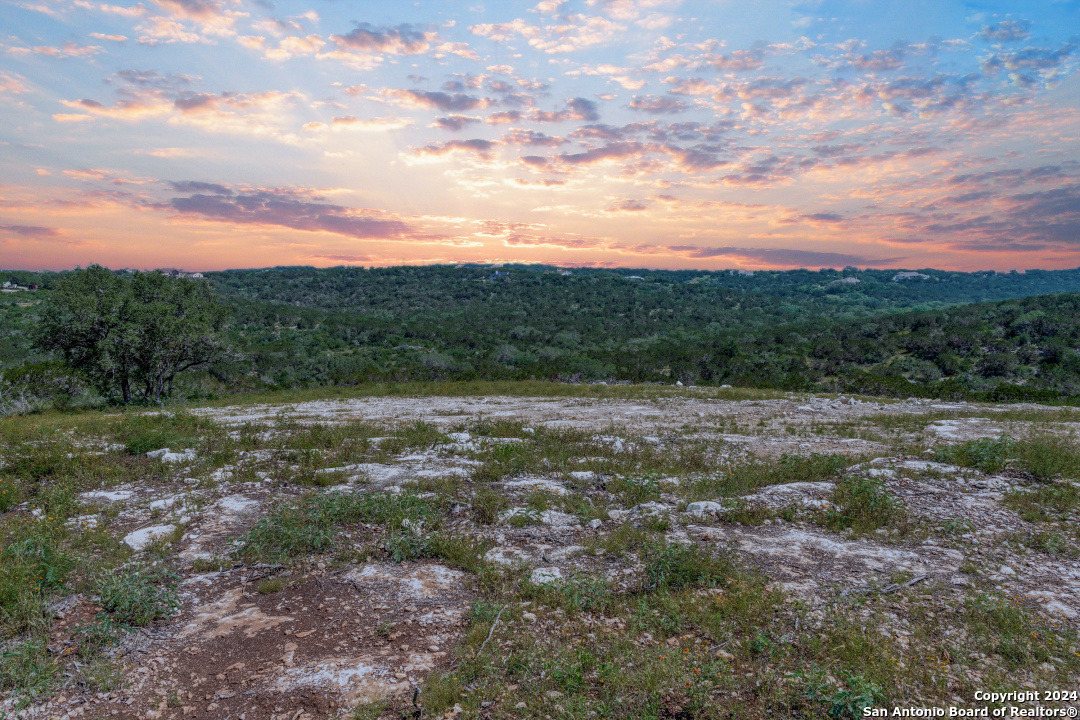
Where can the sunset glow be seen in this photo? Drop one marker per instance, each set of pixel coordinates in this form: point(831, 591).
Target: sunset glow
point(209, 134)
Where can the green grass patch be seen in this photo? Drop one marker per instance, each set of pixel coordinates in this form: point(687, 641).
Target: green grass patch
point(863, 505)
point(139, 596)
point(312, 524)
point(1042, 457)
point(745, 475)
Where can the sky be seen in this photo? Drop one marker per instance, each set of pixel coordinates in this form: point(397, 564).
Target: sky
point(212, 134)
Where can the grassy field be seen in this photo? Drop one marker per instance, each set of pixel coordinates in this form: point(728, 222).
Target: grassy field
point(659, 624)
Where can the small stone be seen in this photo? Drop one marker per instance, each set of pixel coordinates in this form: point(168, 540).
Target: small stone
point(553, 694)
point(528, 617)
point(541, 576)
point(594, 524)
point(703, 508)
point(520, 706)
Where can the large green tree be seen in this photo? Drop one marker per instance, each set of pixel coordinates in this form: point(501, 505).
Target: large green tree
point(131, 334)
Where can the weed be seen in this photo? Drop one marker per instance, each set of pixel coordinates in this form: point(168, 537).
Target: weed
point(32, 568)
point(210, 564)
point(481, 612)
point(144, 432)
point(747, 475)
point(955, 526)
point(1044, 502)
point(985, 454)
point(1006, 629)
point(678, 566)
point(272, 585)
point(1041, 457)
point(440, 692)
point(741, 512)
point(1049, 457)
point(455, 550)
point(311, 524)
point(369, 710)
point(488, 504)
point(94, 637)
point(862, 504)
point(1049, 542)
point(26, 668)
point(844, 702)
point(101, 675)
point(11, 493)
point(578, 594)
point(139, 596)
point(635, 489)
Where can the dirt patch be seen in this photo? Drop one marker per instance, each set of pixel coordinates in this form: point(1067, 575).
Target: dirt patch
point(321, 644)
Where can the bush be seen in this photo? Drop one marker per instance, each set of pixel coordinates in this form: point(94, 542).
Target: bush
point(37, 385)
point(31, 568)
point(139, 597)
point(678, 566)
point(863, 504)
point(985, 454)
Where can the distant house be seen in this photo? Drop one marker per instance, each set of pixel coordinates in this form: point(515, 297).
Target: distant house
point(909, 276)
point(634, 277)
point(173, 272)
point(9, 284)
point(846, 281)
point(565, 272)
point(498, 275)
point(747, 273)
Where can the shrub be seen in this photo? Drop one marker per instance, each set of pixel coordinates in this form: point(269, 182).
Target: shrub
point(139, 597)
point(863, 504)
point(677, 566)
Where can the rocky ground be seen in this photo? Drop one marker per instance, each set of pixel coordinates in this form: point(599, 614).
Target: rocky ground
point(833, 502)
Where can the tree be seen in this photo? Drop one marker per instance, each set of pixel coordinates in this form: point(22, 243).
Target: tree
point(135, 332)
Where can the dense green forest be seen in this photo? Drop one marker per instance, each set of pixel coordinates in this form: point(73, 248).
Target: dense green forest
point(932, 333)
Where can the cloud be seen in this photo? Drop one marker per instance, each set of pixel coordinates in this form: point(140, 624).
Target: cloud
point(611, 151)
point(152, 79)
point(12, 83)
point(63, 51)
point(438, 100)
point(31, 232)
point(191, 9)
point(657, 105)
point(823, 218)
point(627, 206)
point(404, 39)
point(1005, 31)
point(195, 186)
point(503, 117)
point(519, 136)
point(569, 33)
point(737, 61)
point(781, 257)
point(454, 123)
point(282, 207)
point(71, 117)
point(578, 108)
point(121, 110)
point(475, 146)
point(1032, 58)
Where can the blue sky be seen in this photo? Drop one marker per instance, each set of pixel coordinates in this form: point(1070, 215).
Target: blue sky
point(225, 133)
